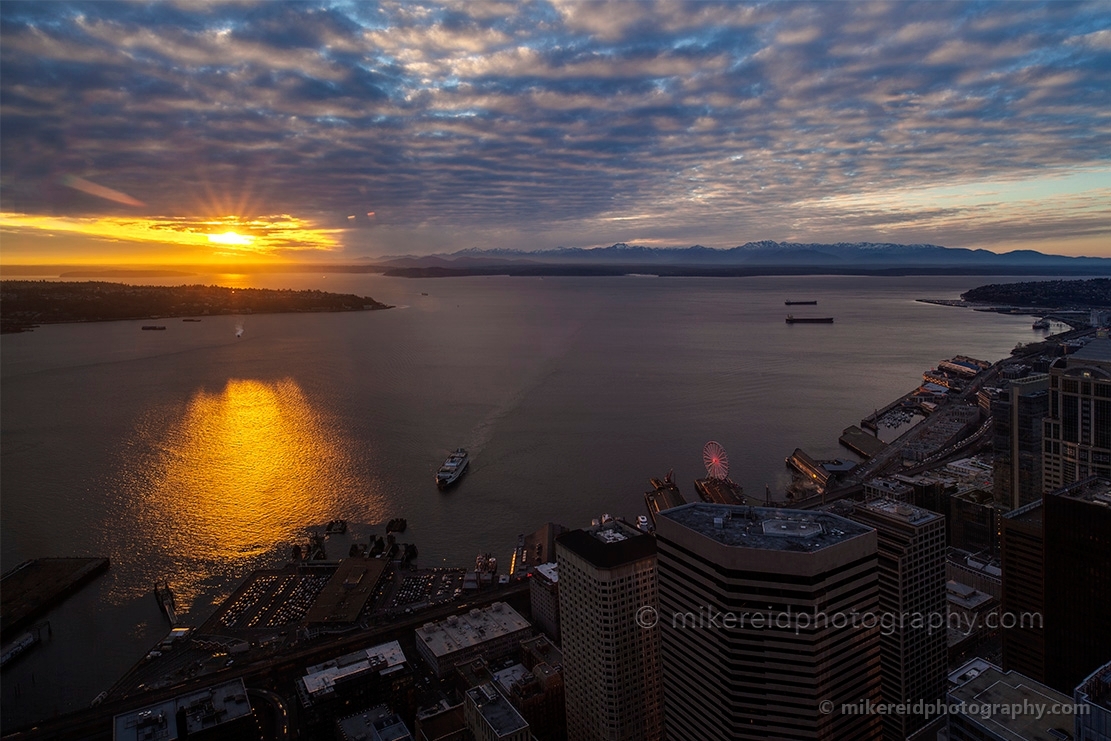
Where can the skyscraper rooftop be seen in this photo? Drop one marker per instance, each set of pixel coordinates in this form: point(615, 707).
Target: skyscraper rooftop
point(765, 528)
point(609, 544)
point(1094, 490)
point(900, 511)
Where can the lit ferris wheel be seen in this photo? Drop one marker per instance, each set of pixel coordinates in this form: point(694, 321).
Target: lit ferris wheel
point(715, 460)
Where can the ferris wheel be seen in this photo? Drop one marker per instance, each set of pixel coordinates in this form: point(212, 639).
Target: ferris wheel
point(715, 460)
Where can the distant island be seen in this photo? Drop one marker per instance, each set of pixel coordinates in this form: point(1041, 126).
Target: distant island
point(125, 273)
point(1094, 293)
point(24, 303)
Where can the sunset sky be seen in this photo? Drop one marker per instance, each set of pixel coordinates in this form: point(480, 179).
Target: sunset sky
point(194, 132)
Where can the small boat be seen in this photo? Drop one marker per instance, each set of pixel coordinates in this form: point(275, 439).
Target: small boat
point(801, 303)
point(190, 320)
point(150, 327)
point(1041, 324)
point(166, 603)
point(809, 319)
point(452, 469)
point(397, 525)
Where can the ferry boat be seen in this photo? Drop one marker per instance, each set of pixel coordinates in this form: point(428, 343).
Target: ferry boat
point(809, 319)
point(452, 469)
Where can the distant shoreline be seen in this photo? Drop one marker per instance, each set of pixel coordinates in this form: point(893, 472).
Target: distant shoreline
point(558, 270)
point(26, 304)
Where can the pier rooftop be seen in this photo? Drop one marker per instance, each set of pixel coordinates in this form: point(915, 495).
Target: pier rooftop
point(346, 594)
point(766, 528)
point(33, 587)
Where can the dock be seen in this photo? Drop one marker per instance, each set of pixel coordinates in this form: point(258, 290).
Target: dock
point(719, 491)
point(860, 442)
point(664, 495)
point(871, 422)
point(35, 586)
point(807, 466)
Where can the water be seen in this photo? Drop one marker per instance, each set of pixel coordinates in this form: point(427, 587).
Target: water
point(195, 455)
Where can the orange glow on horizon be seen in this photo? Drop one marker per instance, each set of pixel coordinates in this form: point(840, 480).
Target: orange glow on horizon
point(174, 240)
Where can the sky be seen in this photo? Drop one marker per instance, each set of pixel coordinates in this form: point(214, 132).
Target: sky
point(197, 132)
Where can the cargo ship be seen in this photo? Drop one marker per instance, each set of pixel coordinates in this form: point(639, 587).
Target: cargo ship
point(150, 327)
point(801, 303)
point(809, 319)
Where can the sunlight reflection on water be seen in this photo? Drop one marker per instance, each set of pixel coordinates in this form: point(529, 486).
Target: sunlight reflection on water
point(240, 471)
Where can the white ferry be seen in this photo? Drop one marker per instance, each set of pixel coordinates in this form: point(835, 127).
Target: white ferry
point(452, 469)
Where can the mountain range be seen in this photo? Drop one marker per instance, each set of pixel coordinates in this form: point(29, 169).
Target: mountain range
point(757, 255)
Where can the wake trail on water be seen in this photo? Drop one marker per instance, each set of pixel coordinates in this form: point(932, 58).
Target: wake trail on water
point(483, 432)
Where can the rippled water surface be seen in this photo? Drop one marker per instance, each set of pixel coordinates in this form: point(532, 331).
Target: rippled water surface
point(194, 455)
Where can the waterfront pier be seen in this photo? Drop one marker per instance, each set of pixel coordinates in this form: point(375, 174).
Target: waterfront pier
point(33, 587)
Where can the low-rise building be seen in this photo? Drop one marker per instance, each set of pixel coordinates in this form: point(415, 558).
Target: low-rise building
point(490, 717)
point(372, 676)
point(969, 623)
point(493, 632)
point(441, 722)
point(376, 724)
point(538, 696)
point(212, 714)
point(1005, 706)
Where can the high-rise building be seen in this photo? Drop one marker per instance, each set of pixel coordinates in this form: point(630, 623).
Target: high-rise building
point(1078, 582)
point(1094, 723)
point(1022, 560)
point(544, 597)
point(1017, 415)
point(611, 665)
point(973, 523)
point(911, 546)
point(760, 616)
point(1077, 430)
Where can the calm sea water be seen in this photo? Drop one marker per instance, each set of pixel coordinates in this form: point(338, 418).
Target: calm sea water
point(194, 455)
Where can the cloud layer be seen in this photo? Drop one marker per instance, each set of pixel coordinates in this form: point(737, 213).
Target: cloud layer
point(470, 124)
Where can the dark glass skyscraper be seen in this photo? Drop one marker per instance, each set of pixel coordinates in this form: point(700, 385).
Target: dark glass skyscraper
point(1078, 582)
point(912, 581)
point(1017, 416)
point(755, 612)
point(1023, 565)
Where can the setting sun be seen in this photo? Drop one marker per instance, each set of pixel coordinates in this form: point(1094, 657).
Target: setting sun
point(230, 238)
